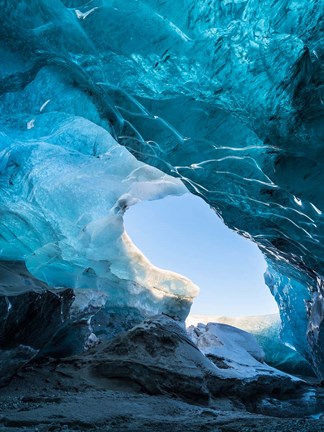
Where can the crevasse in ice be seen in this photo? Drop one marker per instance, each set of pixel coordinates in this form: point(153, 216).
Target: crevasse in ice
point(105, 102)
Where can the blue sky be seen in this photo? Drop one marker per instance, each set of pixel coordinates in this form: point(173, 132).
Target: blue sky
point(184, 235)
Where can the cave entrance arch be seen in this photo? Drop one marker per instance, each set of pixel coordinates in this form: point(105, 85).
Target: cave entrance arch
point(184, 235)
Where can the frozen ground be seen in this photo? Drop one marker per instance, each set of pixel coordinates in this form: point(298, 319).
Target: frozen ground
point(39, 401)
point(108, 410)
point(150, 379)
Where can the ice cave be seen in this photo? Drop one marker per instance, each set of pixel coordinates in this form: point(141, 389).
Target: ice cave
point(107, 103)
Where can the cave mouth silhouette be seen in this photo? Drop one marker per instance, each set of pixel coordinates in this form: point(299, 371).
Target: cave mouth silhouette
point(184, 235)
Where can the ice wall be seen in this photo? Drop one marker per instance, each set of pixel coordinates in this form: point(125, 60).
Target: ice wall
point(66, 184)
point(224, 95)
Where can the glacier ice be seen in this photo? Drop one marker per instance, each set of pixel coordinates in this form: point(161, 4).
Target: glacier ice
point(232, 348)
point(266, 330)
point(104, 103)
point(64, 213)
point(229, 343)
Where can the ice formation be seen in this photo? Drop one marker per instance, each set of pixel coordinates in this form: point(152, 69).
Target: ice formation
point(106, 102)
point(266, 330)
point(68, 185)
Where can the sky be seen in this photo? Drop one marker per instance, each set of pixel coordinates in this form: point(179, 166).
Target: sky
point(184, 235)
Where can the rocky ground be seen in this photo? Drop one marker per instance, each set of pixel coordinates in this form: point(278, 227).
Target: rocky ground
point(153, 378)
point(45, 406)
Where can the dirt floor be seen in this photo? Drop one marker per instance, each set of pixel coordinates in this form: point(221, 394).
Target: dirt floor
point(47, 398)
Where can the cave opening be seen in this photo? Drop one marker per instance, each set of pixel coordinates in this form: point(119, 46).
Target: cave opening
point(184, 235)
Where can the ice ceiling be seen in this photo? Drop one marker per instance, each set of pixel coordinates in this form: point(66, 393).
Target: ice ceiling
point(104, 103)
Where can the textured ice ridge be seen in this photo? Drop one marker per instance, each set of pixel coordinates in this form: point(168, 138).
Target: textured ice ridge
point(266, 330)
point(224, 96)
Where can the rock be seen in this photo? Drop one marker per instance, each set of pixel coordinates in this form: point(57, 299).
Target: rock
point(12, 360)
point(33, 318)
point(28, 320)
point(160, 358)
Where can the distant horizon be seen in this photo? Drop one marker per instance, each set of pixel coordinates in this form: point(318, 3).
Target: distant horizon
point(184, 235)
point(195, 315)
point(249, 323)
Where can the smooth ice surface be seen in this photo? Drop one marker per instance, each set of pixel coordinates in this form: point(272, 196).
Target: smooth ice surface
point(225, 96)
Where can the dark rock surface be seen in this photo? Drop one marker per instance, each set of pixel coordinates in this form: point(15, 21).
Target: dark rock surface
point(121, 411)
point(29, 320)
point(153, 378)
point(160, 358)
point(33, 318)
